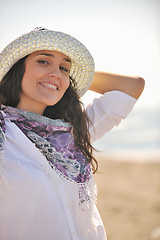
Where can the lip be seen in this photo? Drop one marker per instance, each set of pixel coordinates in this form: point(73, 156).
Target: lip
point(49, 85)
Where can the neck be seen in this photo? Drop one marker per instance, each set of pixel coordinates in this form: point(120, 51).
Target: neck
point(31, 108)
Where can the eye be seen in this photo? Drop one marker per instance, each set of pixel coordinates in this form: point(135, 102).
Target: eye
point(43, 62)
point(64, 69)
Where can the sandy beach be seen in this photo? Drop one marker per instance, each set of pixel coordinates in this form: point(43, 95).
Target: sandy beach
point(129, 198)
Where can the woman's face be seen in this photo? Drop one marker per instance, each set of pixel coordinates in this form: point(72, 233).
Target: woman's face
point(45, 80)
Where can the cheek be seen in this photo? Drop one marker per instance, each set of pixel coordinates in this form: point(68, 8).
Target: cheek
point(24, 84)
point(67, 83)
point(27, 83)
point(29, 77)
point(64, 84)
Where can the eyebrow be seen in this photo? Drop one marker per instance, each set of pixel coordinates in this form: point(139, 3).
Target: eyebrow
point(51, 55)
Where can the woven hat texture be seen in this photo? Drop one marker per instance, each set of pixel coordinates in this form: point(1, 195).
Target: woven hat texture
point(82, 63)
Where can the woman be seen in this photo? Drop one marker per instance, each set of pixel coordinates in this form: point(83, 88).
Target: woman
point(47, 187)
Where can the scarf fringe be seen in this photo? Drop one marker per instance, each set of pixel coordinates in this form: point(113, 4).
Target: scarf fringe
point(87, 191)
point(84, 196)
point(2, 173)
point(2, 162)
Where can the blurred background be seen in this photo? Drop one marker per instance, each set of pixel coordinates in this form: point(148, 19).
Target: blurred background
point(123, 36)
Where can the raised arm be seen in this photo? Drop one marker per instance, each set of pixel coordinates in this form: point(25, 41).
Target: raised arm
point(104, 82)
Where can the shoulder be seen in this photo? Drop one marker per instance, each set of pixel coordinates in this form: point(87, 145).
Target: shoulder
point(107, 111)
point(113, 101)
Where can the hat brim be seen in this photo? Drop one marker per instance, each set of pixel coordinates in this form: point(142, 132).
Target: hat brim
point(82, 63)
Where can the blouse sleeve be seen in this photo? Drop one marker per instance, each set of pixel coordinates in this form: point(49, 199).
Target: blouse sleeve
point(108, 111)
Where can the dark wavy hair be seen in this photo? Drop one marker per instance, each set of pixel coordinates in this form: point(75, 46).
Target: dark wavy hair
point(69, 108)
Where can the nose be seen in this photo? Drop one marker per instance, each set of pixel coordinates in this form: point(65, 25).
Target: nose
point(55, 73)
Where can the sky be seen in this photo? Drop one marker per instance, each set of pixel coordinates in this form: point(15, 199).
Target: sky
point(122, 35)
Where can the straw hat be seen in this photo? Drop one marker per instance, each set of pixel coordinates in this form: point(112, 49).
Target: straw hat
point(82, 64)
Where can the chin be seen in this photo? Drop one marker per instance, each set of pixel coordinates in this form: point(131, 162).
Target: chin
point(52, 103)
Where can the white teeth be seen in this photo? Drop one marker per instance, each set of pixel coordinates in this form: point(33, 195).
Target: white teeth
point(50, 86)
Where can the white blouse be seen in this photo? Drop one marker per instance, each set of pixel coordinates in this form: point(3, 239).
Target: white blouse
point(108, 111)
point(39, 204)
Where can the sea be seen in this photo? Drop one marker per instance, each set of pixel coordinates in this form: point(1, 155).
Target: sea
point(137, 138)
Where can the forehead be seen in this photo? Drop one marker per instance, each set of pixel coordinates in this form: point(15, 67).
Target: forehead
point(50, 53)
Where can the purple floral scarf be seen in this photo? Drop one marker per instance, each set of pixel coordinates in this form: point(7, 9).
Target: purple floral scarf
point(54, 140)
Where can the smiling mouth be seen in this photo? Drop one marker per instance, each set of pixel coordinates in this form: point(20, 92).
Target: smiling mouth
point(49, 85)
